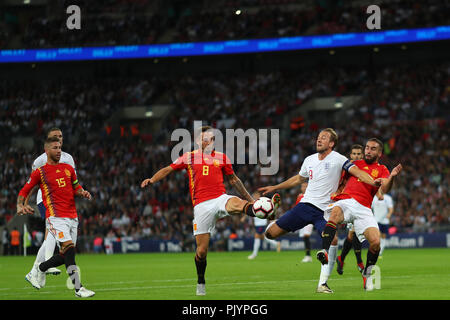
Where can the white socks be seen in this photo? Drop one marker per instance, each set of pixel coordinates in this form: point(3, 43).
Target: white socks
point(326, 269)
point(272, 241)
point(50, 244)
point(382, 245)
point(332, 255)
point(256, 245)
point(46, 250)
point(40, 257)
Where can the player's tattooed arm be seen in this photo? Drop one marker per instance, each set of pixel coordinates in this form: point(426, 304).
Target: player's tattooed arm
point(23, 208)
point(80, 192)
point(239, 186)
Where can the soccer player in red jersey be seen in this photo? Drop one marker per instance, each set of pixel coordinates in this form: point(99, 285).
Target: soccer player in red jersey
point(205, 168)
point(356, 153)
point(354, 205)
point(59, 185)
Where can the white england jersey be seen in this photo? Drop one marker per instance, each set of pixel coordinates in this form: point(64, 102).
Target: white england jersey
point(259, 222)
point(42, 160)
point(380, 208)
point(324, 176)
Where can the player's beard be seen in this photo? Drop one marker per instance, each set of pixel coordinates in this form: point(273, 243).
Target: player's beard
point(370, 160)
point(208, 149)
point(55, 158)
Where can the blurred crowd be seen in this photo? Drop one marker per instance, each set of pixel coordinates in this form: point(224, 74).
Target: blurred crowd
point(406, 106)
point(323, 17)
point(134, 22)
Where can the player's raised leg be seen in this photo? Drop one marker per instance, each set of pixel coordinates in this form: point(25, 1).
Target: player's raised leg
point(294, 219)
point(235, 206)
point(274, 231)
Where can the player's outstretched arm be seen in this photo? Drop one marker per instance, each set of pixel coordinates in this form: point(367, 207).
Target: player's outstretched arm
point(364, 176)
point(161, 174)
point(239, 186)
point(289, 183)
point(386, 184)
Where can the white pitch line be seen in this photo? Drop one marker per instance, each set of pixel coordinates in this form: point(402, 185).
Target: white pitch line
point(187, 285)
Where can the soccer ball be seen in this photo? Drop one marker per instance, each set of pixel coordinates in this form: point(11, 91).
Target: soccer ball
point(263, 208)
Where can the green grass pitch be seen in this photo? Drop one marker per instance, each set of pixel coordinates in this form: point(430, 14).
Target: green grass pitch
point(405, 274)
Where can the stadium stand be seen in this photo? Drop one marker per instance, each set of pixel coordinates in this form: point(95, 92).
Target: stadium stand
point(404, 106)
point(118, 22)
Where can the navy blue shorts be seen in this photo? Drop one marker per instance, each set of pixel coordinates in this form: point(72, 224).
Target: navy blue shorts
point(301, 215)
point(42, 210)
point(260, 229)
point(384, 228)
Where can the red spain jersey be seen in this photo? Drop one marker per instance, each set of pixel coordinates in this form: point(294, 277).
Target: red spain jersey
point(299, 198)
point(205, 173)
point(360, 191)
point(56, 183)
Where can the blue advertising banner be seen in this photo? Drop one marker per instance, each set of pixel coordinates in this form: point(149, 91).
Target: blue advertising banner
point(292, 242)
point(226, 47)
point(402, 240)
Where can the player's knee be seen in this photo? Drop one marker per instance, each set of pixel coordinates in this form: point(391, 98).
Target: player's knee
point(201, 253)
point(375, 245)
point(336, 216)
point(269, 235)
point(66, 246)
point(235, 205)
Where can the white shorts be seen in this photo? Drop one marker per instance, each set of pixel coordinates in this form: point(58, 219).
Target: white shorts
point(208, 212)
point(63, 229)
point(354, 212)
point(306, 230)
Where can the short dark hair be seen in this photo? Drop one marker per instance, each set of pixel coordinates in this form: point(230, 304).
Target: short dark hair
point(203, 129)
point(51, 140)
point(52, 129)
point(333, 136)
point(380, 143)
point(357, 146)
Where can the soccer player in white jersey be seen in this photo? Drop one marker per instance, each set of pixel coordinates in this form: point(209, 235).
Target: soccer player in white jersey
point(322, 170)
point(382, 208)
point(48, 246)
point(306, 231)
point(260, 226)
